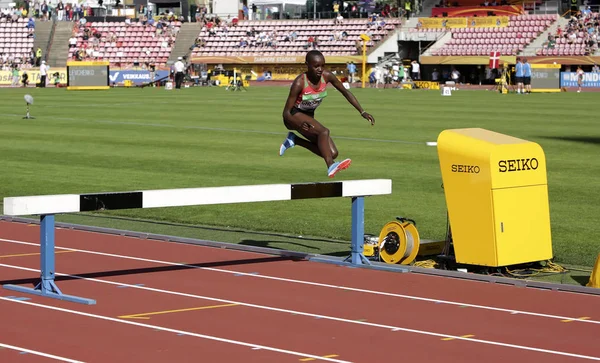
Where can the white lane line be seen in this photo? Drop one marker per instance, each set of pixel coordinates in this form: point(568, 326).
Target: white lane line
point(221, 129)
point(318, 316)
point(373, 292)
point(156, 327)
point(41, 354)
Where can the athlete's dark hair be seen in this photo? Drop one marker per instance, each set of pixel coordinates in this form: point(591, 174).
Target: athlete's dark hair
point(313, 54)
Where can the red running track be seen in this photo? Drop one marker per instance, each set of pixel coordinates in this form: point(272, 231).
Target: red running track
point(160, 301)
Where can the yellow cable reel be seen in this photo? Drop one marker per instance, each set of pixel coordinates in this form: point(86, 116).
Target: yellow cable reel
point(399, 241)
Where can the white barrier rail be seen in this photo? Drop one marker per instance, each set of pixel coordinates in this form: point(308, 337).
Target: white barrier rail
point(47, 206)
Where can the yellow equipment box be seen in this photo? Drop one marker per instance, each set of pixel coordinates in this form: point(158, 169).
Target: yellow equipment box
point(497, 197)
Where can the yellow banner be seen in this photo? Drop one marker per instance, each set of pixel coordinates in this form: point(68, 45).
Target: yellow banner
point(87, 63)
point(471, 22)
point(427, 85)
point(34, 76)
point(488, 22)
point(437, 23)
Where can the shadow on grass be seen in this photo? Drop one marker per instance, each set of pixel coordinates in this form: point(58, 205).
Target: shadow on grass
point(338, 253)
point(272, 244)
point(145, 270)
point(582, 139)
point(581, 279)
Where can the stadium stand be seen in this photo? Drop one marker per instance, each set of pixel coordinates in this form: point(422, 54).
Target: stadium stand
point(527, 4)
point(579, 37)
point(291, 37)
point(16, 42)
point(509, 40)
point(123, 43)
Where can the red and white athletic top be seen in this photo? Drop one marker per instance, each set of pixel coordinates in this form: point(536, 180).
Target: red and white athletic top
point(309, 99)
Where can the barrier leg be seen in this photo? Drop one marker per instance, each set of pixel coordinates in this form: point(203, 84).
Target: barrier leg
point(358, 232)
point(47, 286)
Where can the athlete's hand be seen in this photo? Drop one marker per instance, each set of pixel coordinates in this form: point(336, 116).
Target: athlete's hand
point(306, 126)
point(369, 118)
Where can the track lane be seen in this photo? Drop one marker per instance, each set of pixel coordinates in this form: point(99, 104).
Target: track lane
point(340, 303)
point(165, 279)
point(440, 289)
point(301, 331)
point(95, 340)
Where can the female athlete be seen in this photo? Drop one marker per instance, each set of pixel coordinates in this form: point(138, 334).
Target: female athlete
point(306, 94)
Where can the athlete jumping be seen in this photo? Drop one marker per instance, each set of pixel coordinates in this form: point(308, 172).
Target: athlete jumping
point(306, 94)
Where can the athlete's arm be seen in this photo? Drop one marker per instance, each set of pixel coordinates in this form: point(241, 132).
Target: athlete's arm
point(331, 78)
point(295, 91)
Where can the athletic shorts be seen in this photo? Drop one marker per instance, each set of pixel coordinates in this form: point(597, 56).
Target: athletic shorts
point(518, 79)
point(526, 81)
point(296, 110)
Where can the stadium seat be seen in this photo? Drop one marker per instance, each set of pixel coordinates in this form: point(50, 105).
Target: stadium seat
point(133, 43)
point(15, 42)
point(324, 30)
point(509, 40)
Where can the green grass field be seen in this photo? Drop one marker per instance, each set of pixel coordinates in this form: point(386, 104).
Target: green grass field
point(137, 139)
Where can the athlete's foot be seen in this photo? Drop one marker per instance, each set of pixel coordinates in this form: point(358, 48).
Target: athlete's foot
point(287, 143)
point(337, 166)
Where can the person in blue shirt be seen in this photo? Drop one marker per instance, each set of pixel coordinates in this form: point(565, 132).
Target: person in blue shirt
point(30, 26)
point(519, 74)
point(526, 76)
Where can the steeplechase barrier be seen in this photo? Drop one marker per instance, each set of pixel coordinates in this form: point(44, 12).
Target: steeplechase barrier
point(47, 206)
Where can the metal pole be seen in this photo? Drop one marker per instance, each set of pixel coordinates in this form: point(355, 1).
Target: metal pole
point(314, 9)
point(47, 286)
point(364, 62)
point(47, 251)
point(358, 231)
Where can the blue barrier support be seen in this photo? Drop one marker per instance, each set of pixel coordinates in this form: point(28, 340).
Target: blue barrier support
point(47, 286)
point(358, 232)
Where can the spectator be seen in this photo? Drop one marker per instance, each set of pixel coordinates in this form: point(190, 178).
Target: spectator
point(38, 56)
point(60, 10)
point(30, 27)
point(415, 71)
point(43, 74)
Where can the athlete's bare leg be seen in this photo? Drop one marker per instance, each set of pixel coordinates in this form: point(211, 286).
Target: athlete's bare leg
point(317, 136)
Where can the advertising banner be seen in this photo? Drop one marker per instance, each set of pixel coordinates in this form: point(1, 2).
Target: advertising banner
point(34, 76)
point(427, 85)
point(275, 59)
point(137, 76)
point(437, 23)
point(590, 80)
point(488, 22)
point(478, 10)
point(474, 22)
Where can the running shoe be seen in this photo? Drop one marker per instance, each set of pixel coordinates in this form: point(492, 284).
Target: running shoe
point(337, 166)
point(287, 143)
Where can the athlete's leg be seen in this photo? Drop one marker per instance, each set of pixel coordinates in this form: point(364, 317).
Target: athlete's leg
point(314, 148)
point(317, 136)
point(334, 150)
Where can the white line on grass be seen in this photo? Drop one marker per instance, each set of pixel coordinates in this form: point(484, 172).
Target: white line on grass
point(294, 312)
point(151, 102)
point(157, 327)
point(311, 283)
point(41, 354)
point(220, 129)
